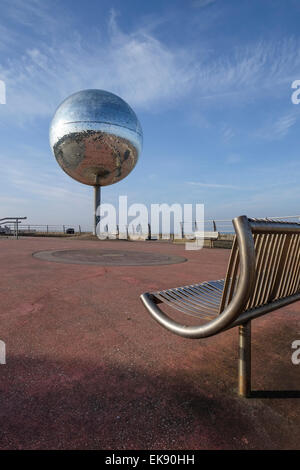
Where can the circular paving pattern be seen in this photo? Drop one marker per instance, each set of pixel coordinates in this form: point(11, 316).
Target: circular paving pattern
point(108, 257)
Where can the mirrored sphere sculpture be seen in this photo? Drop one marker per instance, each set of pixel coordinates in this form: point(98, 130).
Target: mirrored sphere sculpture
point(96, 137)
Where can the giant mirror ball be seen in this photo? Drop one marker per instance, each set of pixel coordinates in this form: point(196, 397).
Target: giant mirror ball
point(96, 137)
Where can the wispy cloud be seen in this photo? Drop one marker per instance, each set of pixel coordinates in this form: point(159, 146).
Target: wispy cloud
point(202, 3)
point(36, 181)
point(135, 65)
point(227, 133)
point(34, 14)
point(278, 128)
point(149, 73)
point(215, 185)
point(251, 69)
point(233, 158)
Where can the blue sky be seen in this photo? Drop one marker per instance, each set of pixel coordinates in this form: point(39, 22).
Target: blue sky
point(210, 81)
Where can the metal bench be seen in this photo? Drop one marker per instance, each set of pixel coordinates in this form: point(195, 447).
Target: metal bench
point(263, 275)
point(211, 236)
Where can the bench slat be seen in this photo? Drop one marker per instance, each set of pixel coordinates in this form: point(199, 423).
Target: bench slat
point(199, 300)
point(263, 274)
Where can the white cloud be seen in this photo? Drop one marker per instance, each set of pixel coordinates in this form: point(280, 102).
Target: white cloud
point(33, 181)
point(277, 128)
point(137, 66)
point(145, 71)
point(248, 70)
point(202, 3)
point(283, 124)
point(215, 185)
point(227, 133)
point(233, 158)
point(34, 14)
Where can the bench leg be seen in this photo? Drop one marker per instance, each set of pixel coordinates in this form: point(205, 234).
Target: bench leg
point(245, 359)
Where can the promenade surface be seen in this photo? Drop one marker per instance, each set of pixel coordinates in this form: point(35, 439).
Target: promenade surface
point(88, 368)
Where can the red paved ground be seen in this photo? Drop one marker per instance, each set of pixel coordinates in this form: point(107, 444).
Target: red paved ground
point(88, 368)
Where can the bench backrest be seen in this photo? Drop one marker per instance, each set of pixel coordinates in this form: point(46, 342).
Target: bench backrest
point(211, 235)
point(277, 263)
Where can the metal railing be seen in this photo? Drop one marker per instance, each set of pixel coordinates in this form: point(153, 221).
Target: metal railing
point(11, 221)
point(223, 226)
point(39, 228)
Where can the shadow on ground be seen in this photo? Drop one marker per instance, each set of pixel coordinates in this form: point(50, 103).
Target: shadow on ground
point(275, 394)
point(75, 405)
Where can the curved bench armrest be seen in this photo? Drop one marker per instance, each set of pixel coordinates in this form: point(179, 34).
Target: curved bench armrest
point(238, 302)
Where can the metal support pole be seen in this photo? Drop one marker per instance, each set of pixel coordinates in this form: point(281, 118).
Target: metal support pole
point(97, 201)
point(245, 359)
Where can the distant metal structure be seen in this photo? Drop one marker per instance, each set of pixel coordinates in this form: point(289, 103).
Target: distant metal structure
point(96, 138)
point(14, 220)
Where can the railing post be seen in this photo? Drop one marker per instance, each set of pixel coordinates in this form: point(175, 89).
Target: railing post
point(149, 231)
point(244, 367)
